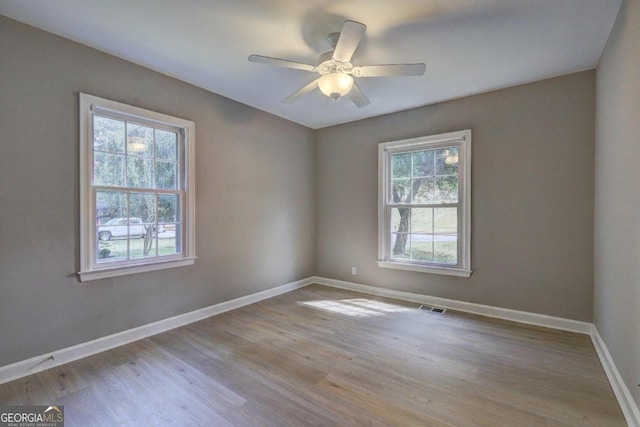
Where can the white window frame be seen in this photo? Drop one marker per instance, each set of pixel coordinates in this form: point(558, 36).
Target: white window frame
point(90, 269)
point(460, 139)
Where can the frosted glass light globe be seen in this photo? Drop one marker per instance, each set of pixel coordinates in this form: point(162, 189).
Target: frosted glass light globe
point(335, 84)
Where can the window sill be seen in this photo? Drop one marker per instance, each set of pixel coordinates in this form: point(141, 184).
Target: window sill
point(104, 273)
point(460, 272)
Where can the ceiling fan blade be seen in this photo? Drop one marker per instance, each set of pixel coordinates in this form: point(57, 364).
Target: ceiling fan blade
point(305, 90)
point(357, 97)
point(348, 41)
point(281, 62)
point(389, 70)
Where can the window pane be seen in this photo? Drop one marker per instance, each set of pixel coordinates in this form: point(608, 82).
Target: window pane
point(423, 163)
point(400, 220)
point(400, 246)
point(395, 219)
point(111, 232)
point(139, 140)
point(423, 190)
point(446, 249)
point(401, 191)
point(142, 247)
point(446, 235)
point(169, 228)
point(168, 208)
point(108, 134)
point(110, 205)
point(422, 220)
point(422, 247)
point(143, 208)
point(445, 220)
point(139, 172)
point(446, 189)
point(166, 145)
point(166, 175)
point(168, 240)
point(108, 169)
point(143, 230)
point(401, 165)
point(447, 161)
point(110, 248)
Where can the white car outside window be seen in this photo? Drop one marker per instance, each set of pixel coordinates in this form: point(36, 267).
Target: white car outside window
point(117, 227)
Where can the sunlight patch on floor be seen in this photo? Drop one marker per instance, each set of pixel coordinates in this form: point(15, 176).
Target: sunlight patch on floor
point(360, 307)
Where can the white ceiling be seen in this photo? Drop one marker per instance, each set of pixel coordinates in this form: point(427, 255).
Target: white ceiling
point(469, 46)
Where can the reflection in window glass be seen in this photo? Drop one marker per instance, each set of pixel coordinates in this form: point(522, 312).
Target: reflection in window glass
point(139, 140)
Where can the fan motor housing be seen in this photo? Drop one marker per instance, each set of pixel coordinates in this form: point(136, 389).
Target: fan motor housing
point(326, 65)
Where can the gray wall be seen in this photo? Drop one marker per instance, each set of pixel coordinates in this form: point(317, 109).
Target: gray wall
point(617, 199)
point(254, 201)
point(532, 197)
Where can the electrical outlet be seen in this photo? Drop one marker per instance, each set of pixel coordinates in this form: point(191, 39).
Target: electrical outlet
point(354, 271)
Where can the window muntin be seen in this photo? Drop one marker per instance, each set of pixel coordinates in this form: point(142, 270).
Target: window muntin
point(424, 204)
point(137, 189)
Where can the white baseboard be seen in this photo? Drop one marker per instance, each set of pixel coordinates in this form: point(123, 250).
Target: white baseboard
point(59, 357)
point(620, 389)
point(467, 307)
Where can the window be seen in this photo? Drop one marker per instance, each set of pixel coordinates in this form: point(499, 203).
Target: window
point(137, 203)
point(424, 206)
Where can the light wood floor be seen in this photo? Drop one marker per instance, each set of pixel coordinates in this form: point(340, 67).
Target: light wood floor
point(322, 356)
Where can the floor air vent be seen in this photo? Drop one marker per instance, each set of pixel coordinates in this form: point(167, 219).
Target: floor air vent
point(433, 309)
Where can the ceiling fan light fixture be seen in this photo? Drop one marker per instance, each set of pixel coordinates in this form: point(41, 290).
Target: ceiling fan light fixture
point(335, 84)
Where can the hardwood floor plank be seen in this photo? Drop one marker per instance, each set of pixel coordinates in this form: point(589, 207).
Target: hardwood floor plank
point(378, 405)
point(24, 391)
point(60, 381)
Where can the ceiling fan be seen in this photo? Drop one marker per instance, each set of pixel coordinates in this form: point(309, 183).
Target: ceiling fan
point(336, 70)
